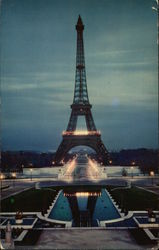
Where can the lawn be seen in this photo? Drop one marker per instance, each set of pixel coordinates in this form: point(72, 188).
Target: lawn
point(135, 199)
point(33, 200)
point(39, 200)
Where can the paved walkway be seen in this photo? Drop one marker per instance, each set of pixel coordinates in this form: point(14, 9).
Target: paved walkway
point(151, 189)
point(15, 187)
point(154, 189)
point(87, 239)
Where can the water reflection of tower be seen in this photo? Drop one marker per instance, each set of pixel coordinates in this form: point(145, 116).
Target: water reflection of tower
point(82, 205)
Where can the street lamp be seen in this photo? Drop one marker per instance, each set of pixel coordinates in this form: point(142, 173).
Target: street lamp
point(13, 176)
point(1, 178)
point(31, 170)
point(110, 162)
point(152, 175)
point(132, 174)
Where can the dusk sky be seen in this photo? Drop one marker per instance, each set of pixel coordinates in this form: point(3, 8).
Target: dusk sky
point(38, 55)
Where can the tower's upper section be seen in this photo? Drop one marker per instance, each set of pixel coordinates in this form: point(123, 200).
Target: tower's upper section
point(80, 92)
point(79, 25)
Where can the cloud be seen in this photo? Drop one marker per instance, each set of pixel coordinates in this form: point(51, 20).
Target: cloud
point(126, 126)
point(124, 59)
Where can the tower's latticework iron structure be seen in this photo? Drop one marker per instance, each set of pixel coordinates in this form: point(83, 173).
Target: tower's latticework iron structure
point(81, 107)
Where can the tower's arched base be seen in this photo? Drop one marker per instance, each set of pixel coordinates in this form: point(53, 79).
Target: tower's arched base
point(71, 141)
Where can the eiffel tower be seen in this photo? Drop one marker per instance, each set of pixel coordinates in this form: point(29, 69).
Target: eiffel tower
point(81, 107)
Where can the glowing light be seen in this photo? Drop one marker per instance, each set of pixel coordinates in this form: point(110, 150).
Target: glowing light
point(81, 132)
point(2, 176)
point(86, 194)
point(152, 173)
point(83, 194)
point(71, 167)
point(13, 175)
point(62, 161)
point(93, 165)
point(93, 170)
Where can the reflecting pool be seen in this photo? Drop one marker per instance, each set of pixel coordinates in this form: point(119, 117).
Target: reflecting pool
point(84, 208)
